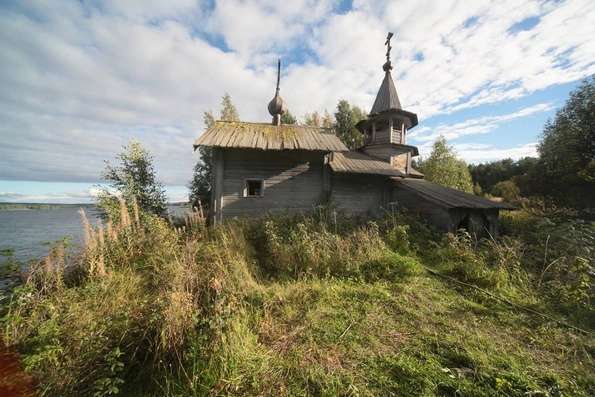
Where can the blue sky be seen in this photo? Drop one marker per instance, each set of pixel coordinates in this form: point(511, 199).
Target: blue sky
point(80, 79)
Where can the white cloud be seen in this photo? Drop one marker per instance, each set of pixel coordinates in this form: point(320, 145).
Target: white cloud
point(259, 30)
point(480, 125)
point(478, 153)
point(482, 153)
point(80, 79)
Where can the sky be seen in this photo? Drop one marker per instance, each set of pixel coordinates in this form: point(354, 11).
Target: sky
point(80, 79)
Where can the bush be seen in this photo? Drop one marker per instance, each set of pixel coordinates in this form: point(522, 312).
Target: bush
point(456, 255)
point(295, 248)
point(392, 266)
point(508, 190)
point(559, 252)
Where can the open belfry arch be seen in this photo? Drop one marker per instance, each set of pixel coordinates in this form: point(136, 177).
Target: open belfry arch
point(261, 168)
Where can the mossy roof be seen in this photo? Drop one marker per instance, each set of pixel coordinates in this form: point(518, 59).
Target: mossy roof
point(266, 136)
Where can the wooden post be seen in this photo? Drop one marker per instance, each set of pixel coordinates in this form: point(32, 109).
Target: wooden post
point(217, 194)
point(403, 139)
point(326, 178)
point(390, 130)
point(373, 132)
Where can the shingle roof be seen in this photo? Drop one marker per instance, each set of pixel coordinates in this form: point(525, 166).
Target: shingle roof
point(447, 197)
point(359, 163)
point(387, 97)
point(235, 134)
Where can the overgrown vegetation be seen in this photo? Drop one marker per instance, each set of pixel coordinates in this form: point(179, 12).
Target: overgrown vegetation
point(318, 305)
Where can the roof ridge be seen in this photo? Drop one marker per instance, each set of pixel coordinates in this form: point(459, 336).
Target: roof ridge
point(280, 125)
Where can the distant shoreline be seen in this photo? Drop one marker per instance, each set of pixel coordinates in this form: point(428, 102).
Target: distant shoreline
point(52, 206)
point(39, 206)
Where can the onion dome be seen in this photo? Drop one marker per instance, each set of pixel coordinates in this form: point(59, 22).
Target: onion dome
point(277, 105)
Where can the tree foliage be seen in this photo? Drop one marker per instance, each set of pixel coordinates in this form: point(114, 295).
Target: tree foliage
point(346, 117)
point(228, 109)
point(487, 175)
point(288, 118)
point(567, 149)
point(133, 179)
point(522, 172)
point(200, 185)
point(444, 168)
point(316, 119)
point(508, 190)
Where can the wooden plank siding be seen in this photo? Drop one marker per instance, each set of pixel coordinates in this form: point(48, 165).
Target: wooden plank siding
point(358, 194)
point(216, 197)
point(382, 135)
point(384, 152)
point(293, 181)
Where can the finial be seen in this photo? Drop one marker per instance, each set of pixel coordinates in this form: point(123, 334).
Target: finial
point(276, 105)
point(278, 74)
point(388, 66)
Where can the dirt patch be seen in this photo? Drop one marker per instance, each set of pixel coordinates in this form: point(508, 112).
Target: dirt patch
point(13, 381)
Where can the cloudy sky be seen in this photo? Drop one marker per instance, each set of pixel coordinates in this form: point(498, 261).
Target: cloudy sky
point(81, 78)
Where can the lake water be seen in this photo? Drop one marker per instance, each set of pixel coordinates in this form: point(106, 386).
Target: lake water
point(30, 233)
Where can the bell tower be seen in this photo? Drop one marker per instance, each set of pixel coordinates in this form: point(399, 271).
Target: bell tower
point(385, 129)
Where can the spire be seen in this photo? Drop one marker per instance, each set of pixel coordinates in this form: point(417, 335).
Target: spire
point(387, 97)
point(276, 105)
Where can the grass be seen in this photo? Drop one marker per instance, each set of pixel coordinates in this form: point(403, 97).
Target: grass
point(298, 306)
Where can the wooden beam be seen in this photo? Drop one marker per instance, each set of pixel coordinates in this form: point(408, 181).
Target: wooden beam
point(216, 199)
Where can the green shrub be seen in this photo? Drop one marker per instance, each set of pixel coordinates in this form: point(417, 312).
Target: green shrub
point(559, 251)
point(391, 266)
point(457, 256)
point(305, 248)
point(397, 238)
point(508, 190)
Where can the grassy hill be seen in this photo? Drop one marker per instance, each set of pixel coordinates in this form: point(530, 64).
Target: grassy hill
point(310, 306)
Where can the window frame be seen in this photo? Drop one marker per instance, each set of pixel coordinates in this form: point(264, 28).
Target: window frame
point(246, 188)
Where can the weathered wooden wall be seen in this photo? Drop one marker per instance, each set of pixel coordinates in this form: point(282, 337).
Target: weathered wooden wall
point(416, 204)
point(293, 181)
point(396, 132)
point(382, 134)
point(359, 194)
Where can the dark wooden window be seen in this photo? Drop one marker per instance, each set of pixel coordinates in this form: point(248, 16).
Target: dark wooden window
point(254, 188)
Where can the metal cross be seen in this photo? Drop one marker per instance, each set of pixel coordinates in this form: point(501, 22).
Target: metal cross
point(388, 66)
point(388, 47)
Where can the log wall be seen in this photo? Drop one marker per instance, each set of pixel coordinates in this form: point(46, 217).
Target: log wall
point(293, 181)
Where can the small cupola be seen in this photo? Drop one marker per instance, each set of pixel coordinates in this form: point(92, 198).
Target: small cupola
point(387, 121)
point(277, 105)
